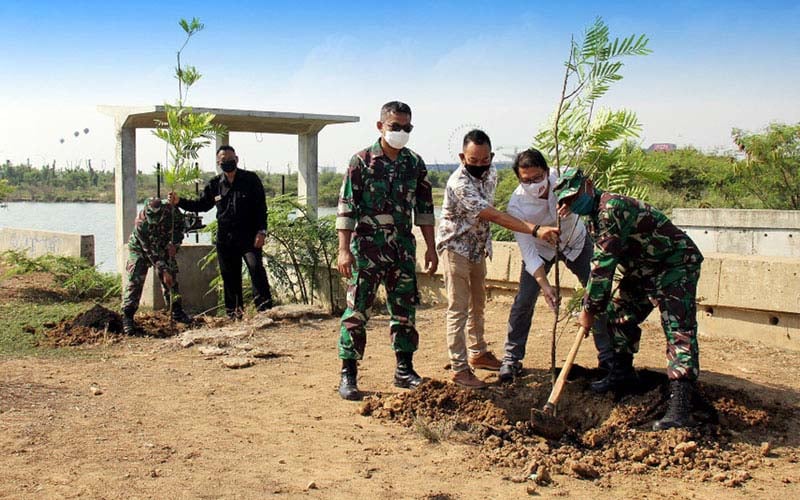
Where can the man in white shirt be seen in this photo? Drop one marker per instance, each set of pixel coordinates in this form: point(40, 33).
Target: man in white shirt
point(533, 201)
point(463, 242)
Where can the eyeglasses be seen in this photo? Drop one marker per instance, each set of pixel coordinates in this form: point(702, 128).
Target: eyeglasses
point(532, 180)
point(396, 127)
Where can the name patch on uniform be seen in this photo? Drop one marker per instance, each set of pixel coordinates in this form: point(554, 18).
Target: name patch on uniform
point(217, 198)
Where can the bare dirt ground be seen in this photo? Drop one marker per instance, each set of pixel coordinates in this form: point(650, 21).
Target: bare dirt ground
point(165, 417)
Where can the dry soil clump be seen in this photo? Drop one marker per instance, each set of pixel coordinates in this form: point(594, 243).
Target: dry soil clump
point(607, 434)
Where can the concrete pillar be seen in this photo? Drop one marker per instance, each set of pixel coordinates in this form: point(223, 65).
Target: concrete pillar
point(124, 191)
point(222, 139)
point(307, 170)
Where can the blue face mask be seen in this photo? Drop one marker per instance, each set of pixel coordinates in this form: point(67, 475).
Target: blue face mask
point(582, 204)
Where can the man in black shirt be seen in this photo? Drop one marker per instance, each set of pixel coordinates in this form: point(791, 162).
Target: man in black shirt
point(242, 228)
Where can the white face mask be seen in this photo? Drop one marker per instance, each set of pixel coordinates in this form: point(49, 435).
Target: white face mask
point(397, 139)
point(535, 189)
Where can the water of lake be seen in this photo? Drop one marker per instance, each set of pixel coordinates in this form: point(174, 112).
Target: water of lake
point(84, 218)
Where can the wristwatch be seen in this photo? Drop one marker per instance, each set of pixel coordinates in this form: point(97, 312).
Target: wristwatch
point(535, 231)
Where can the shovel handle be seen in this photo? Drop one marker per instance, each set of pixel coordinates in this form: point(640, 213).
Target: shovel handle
point(562, 377)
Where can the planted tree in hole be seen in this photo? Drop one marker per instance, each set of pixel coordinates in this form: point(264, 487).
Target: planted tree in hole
point(184, 131)
point(594, 138)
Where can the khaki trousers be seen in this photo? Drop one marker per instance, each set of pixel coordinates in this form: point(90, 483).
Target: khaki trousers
point(466, 301)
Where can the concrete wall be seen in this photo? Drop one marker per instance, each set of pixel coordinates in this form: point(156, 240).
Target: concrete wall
point(193, 281)
point(744, 232)
point(754, 298)
point(38, 243)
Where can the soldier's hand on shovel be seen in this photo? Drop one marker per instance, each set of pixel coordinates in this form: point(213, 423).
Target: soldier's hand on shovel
point(586, 319)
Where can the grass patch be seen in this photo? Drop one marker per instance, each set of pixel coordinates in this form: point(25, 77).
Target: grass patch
point(67, 287)
point(22, 325)
point(78, 279)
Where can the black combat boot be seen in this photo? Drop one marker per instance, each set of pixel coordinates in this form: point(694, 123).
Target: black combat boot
point(404, 374)
point(180, 316)
point(620, 377)
point(128, 325)
point(679, 409)
point(347, 387)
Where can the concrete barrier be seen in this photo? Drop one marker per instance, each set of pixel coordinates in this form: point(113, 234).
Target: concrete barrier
point(37, 243)
point(194, 282)
point(754, 298)
point(744, 232)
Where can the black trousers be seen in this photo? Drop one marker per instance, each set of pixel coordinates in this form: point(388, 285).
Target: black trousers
point(230, 252)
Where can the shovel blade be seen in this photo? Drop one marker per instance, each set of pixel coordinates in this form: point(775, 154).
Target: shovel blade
point(546, 425)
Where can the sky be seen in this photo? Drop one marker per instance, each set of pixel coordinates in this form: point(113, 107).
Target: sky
point(458, 64)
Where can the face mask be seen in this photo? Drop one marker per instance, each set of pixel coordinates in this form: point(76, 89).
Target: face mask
point(535, 189)
point(228, 166)
point(582, 204)
point(396, 139)
point(477, 171)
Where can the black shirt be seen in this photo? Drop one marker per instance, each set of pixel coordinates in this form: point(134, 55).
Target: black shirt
point(241, 205)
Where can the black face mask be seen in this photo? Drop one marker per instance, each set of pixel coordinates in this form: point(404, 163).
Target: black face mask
point(477, 171)
point(228, 166)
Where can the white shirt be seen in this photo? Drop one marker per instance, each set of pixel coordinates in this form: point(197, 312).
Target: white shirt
point(544, 212)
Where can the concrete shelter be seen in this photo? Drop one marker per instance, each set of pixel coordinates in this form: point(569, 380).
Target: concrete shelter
point(128, 118)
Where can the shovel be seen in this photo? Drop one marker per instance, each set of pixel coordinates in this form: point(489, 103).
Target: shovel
point(544, 421)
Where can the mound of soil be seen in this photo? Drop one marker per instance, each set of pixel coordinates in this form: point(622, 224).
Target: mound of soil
point(88, 327)
point(100, 324)
point(605, 435)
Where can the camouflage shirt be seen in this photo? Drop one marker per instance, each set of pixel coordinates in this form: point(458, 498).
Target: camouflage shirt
point(379, 192)
point(639, 239)
point(151, 235)
point(460, 228)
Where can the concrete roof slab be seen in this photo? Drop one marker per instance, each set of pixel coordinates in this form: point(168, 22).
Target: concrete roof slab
point(235, 120)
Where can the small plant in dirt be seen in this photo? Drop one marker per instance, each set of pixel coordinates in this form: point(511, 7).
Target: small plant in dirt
point(184, 131)
point(78, 279)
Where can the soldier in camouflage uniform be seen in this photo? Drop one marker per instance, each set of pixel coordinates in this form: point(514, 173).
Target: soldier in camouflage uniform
point(660, 266)
point(154, 241)
point(384, 191)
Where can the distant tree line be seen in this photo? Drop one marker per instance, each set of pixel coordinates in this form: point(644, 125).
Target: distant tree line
point(766, 174)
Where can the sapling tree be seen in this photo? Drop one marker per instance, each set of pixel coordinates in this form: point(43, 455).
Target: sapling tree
point(184, 131)
point(584, 134)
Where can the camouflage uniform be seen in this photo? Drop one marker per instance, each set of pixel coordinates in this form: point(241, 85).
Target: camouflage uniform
point(660, 265)
point(153, 231)
point(376, 202)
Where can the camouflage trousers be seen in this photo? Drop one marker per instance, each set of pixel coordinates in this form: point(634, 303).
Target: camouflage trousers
point(396, 270)
point(674, 292)
point(136, 272)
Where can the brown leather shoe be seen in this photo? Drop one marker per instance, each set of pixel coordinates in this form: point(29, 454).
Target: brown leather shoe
point(468, 379)
point(485, 361)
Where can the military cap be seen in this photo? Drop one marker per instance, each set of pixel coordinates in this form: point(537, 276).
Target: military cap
point(569, 183)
